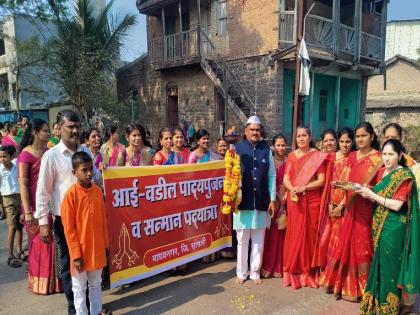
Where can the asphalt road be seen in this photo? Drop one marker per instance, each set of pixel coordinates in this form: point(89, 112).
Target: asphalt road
point(206, 289)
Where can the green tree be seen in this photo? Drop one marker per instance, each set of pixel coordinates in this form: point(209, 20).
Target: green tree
point(85, 53)
point(39, 8)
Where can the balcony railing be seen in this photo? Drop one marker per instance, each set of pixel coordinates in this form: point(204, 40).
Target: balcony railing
point(178, 49)
point(371, 46)
point(319, 32)
point(322, 33)
point(174, 49)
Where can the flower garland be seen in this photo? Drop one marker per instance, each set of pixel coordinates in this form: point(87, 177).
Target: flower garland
point(232, 196)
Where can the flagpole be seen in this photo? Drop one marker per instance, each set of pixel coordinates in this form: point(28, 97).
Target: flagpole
point(297, 106)
point(297, 112)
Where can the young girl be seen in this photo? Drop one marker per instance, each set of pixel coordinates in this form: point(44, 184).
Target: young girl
point(202, 153)
point(179, 147)
point(135, 154)
point(165, 156)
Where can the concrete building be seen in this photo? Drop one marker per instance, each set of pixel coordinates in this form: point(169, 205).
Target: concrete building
point(38, 89)
point(403, 38)
point(212, 63)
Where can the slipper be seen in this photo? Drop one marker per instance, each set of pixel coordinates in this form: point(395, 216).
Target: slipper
point(22, 257)
point(240, 281)
point(13, 262)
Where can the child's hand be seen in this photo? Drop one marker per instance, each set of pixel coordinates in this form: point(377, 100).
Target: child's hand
point(77, 263)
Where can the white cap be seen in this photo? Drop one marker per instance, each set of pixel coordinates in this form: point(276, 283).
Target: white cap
point(253, 120)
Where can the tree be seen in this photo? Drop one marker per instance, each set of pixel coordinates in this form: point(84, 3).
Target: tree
point(85, 53)
point(38, 8)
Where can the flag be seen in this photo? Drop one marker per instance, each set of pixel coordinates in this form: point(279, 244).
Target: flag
point(305, 63)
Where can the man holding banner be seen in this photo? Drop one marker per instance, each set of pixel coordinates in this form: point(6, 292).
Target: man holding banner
point(258, 200)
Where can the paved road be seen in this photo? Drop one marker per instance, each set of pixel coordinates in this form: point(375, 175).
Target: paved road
point(207, 289)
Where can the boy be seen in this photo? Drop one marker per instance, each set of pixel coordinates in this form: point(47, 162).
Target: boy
point(11, 203)
point(83, 217)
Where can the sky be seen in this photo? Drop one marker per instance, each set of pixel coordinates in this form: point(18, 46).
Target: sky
point(136, 42)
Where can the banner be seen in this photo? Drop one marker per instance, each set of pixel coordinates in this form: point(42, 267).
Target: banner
point(161, 217)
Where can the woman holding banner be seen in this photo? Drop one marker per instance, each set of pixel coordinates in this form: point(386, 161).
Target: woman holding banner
point(179, 147)
point(347, 269)
point(137, 153)
point(396, 231)
point(304, 179)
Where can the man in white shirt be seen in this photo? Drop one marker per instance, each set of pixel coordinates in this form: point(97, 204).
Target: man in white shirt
point(55, 178)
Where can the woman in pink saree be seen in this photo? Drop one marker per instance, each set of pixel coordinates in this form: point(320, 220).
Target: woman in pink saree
point(41, 264)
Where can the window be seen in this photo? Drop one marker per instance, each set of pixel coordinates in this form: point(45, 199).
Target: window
point(323, 101)
point(222, 17)
point(2, 48)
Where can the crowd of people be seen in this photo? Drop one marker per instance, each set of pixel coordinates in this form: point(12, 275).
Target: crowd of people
point(342, 215)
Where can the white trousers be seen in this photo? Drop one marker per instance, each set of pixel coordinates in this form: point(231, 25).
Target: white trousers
point(80, 281)
point(257, 239)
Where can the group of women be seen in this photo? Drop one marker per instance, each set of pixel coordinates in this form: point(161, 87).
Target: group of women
point(347, 219)
point(352, 218)
point(107, 152)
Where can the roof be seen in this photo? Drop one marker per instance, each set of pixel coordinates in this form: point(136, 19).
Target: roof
point(130, 64)
point(403, 20)
point(394, 100)
point(398, 57)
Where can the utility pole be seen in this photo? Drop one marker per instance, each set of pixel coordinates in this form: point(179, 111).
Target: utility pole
point(297, 106)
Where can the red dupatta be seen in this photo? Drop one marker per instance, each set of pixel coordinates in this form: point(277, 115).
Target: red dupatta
point(303, 169)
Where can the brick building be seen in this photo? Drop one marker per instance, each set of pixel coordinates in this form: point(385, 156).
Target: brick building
point(213, 62)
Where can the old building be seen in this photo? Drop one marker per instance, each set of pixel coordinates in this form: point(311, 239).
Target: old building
point(400, 102)
point(213, 62)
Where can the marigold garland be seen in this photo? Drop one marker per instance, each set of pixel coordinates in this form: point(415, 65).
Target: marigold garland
point(232, 196)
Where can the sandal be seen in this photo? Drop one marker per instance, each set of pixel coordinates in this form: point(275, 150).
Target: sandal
point(22, 257)
point(105, 311)
point(13, 262)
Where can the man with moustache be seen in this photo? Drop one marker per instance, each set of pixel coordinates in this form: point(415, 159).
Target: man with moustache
point(258, 200)
point(55, 178)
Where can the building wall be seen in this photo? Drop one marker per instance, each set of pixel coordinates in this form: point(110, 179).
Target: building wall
point(403, 38)
point(20, 28)
point(402, 77)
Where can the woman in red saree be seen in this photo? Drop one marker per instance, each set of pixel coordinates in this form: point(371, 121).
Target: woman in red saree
point(272, 265)
point(304, 179)
point(331, 216)
point(348, 264)
point(10, 138)
point(41, 262)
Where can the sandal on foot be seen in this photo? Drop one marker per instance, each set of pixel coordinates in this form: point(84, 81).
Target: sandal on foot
point(22, 257)
point(13, 262)
point(104, 311)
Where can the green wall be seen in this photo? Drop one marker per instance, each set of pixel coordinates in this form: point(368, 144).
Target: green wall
point(324, 91)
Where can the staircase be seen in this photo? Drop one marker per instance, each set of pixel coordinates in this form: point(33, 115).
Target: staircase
point(226, 82)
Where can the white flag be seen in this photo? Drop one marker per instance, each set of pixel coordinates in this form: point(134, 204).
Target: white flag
point(305, 63)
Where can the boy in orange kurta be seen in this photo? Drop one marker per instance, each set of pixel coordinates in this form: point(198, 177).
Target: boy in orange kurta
point(83, 217)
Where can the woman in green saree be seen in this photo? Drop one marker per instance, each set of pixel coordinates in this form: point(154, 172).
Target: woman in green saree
point(394, 273)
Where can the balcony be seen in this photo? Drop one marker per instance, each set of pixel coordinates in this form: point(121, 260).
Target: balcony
point(152, 7)
point(178, 49)
point(346, 31)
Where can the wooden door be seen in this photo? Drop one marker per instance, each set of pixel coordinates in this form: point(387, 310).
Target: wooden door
point(173, 120)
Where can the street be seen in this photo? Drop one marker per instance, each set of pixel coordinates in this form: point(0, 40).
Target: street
point(206, 289)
